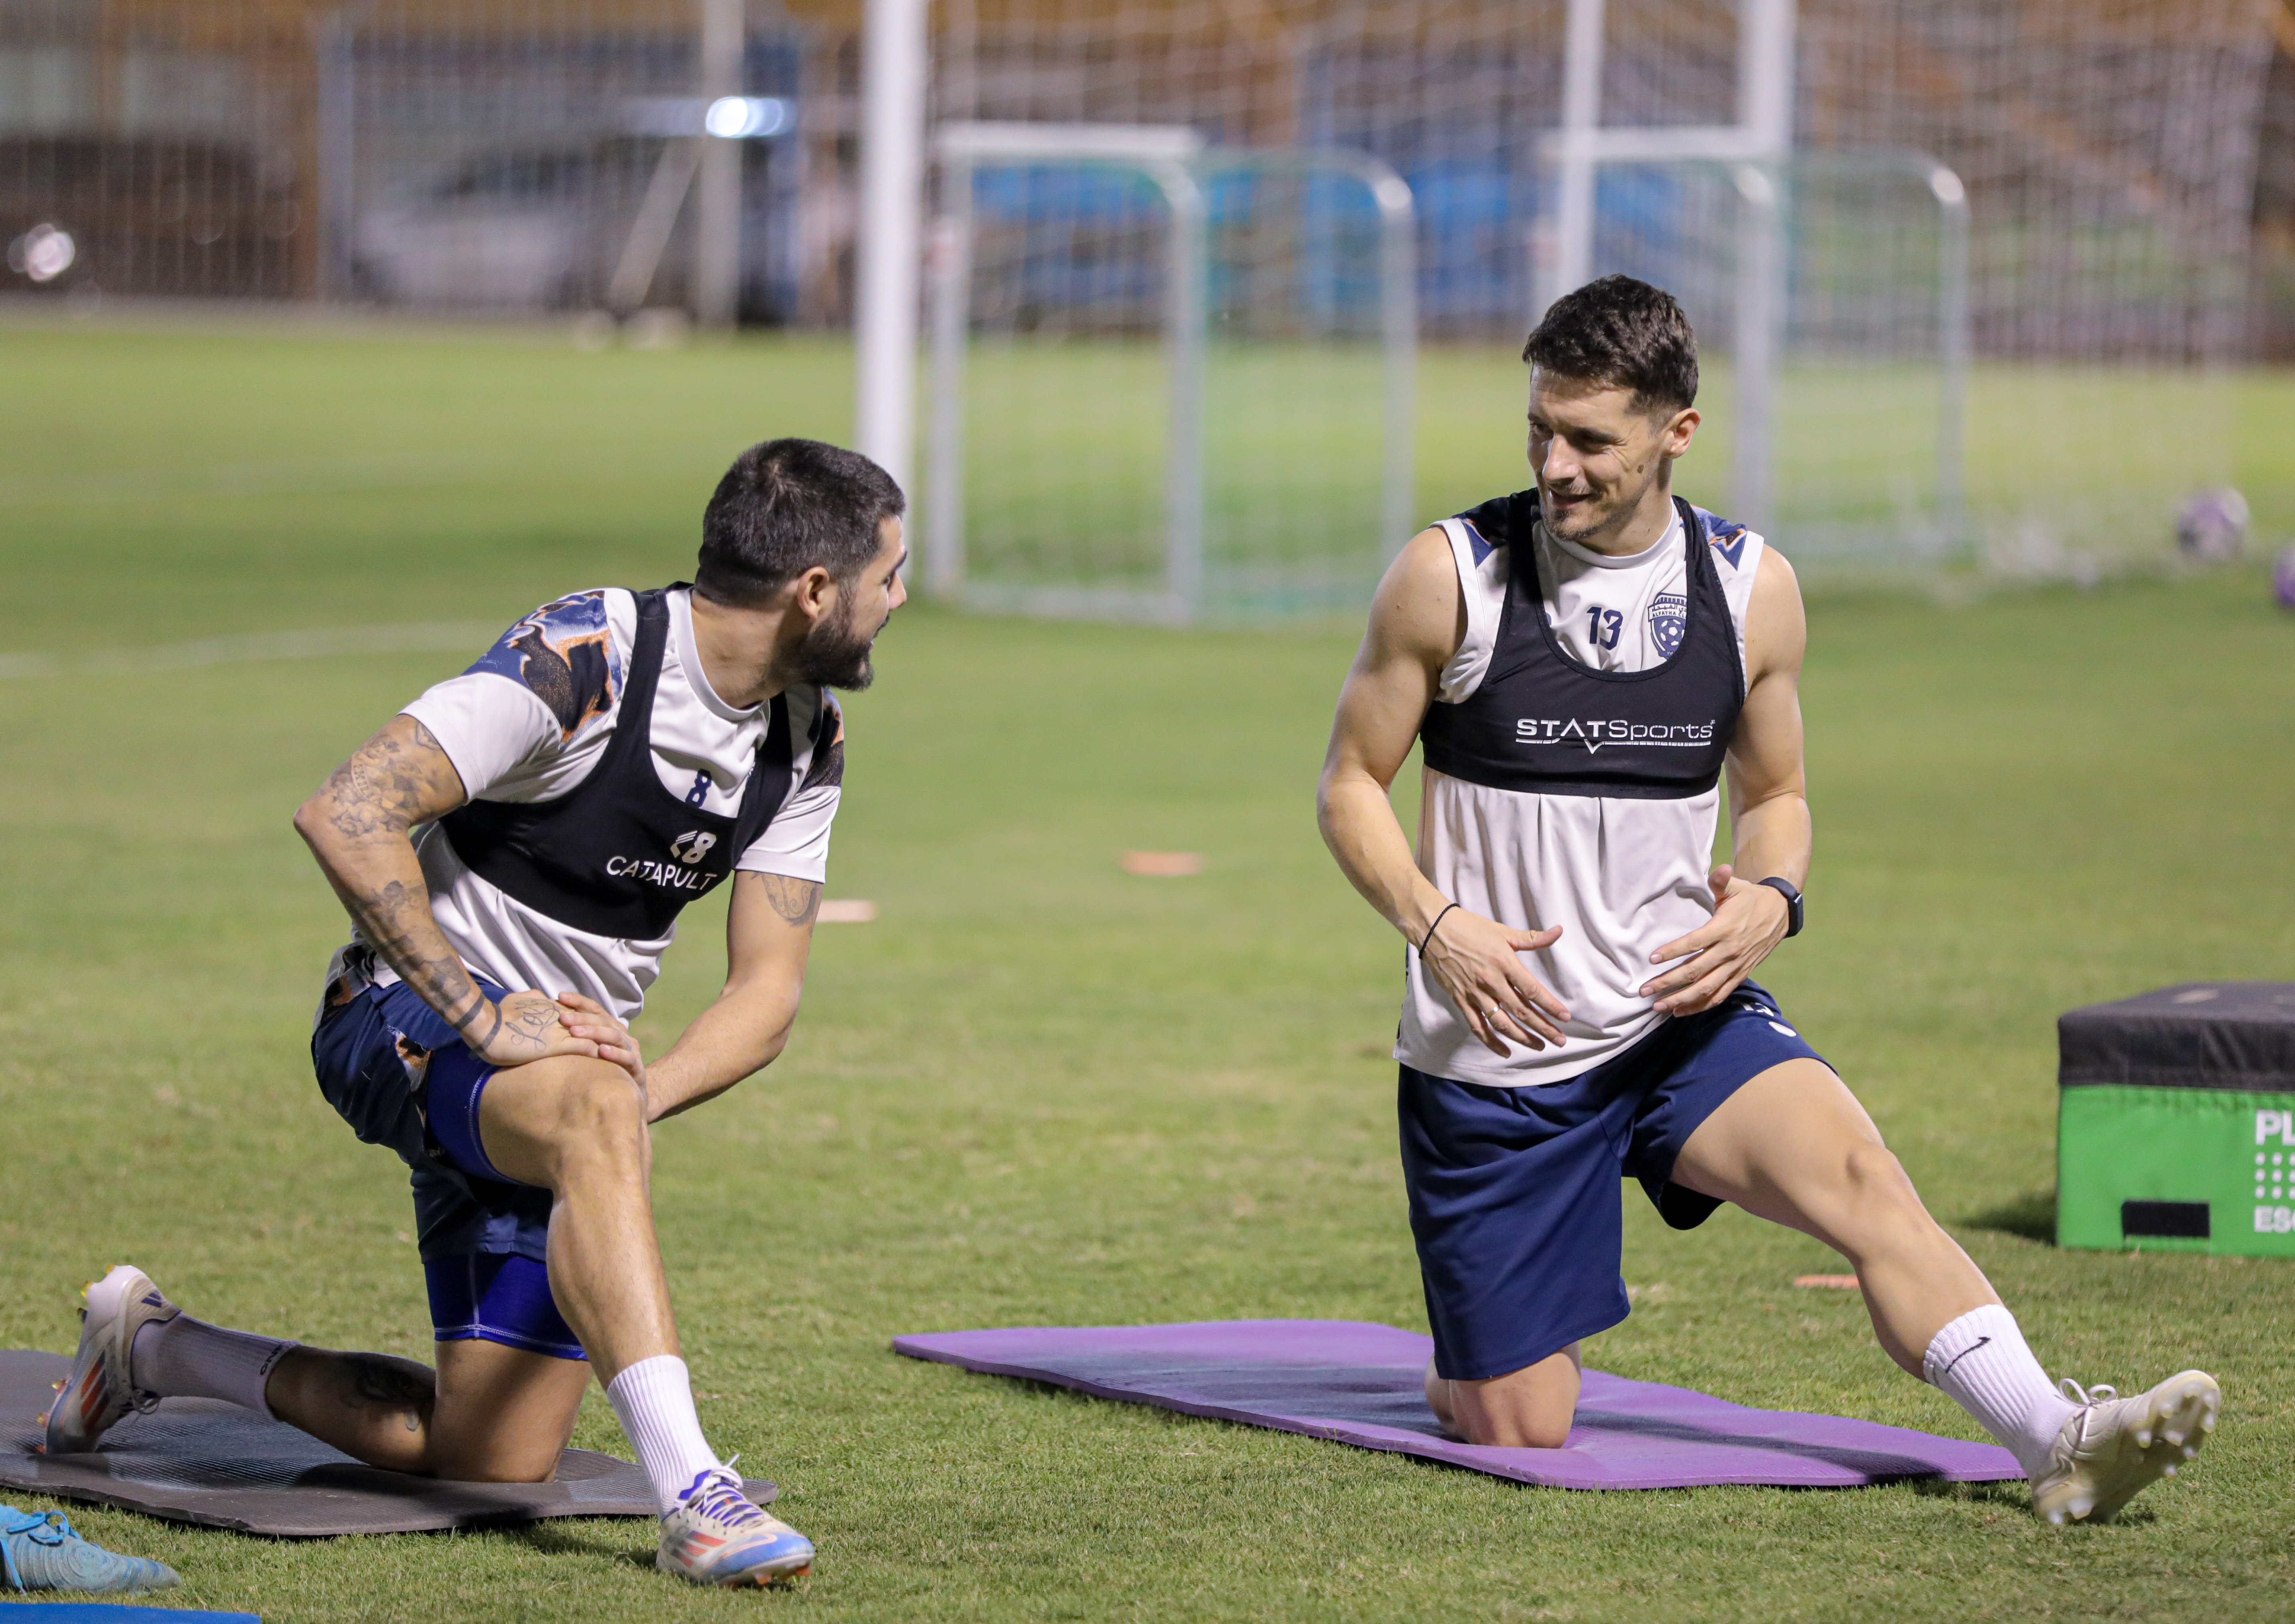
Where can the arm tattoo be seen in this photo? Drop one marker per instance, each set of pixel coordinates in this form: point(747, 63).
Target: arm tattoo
point(399, 778)
point(797, 901)
point(389, 917)
point(380, 790)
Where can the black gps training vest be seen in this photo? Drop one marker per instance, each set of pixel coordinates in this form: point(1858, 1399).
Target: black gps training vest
point(1544, 723)
point(618, 855)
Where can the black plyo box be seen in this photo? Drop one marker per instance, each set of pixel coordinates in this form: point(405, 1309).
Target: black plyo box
point(2175, 1122)
point(2227, 1034)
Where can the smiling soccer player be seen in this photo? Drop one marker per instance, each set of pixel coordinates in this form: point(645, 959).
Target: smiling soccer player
point(1583, 662)
point(514, 849)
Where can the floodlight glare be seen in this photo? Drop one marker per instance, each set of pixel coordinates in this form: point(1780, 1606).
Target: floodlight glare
point(43, 253)
point(746, 118)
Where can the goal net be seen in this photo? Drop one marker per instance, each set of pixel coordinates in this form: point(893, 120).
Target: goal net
point(1999, 236)
point(1168, 381)
point(1866, 401)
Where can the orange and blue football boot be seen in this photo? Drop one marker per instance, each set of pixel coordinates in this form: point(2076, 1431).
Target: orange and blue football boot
point(713, 1536)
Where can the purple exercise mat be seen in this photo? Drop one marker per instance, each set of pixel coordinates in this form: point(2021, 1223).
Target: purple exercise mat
point(1359, 1384)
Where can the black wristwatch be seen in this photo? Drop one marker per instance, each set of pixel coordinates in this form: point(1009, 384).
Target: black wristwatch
point(1786, 889)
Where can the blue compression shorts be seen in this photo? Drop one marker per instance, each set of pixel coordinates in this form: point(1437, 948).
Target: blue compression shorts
point(399, 1075)
point(498, 1297)
point(1515, 1192)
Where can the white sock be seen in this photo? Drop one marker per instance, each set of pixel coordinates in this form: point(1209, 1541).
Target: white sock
point(1982, 1364)
point(185, 1357)
point(653, 1398)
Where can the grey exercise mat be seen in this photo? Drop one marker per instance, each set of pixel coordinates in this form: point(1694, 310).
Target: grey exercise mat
point(196, 1460)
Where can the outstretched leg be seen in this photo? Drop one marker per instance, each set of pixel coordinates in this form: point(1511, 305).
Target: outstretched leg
point(1793, 1146)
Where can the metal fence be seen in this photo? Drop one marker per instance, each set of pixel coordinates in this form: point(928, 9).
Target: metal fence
point(467, 155)
point(2126, 220)
point(498, 153)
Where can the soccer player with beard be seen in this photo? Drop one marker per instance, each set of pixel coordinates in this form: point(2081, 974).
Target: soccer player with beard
point(513, 850)
point(1581, 663)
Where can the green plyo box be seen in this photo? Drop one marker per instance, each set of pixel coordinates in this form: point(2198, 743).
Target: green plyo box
point(2175, 1121)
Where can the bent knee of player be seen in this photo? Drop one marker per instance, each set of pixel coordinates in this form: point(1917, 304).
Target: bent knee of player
point(1541, 1426)
point(1531, 1409)
point(1871, 1173)
point(1877, 1198)
point(489, 1460)
point(1438, 1397)
point(1547, 1432)
point(597, 1119)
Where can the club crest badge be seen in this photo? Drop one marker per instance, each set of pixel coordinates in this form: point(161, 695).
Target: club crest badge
point(1668, 618)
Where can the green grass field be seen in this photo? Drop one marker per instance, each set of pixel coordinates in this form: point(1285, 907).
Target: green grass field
point(1039, 1090)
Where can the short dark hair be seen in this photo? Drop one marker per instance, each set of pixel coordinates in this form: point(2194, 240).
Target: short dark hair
point(1624, 333)
point(782, 508)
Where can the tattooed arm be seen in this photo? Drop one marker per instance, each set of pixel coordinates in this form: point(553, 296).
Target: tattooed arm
point(356, 826)
point(768, 932)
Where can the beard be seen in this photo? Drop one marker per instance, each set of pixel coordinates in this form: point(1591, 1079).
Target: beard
point(834, 655)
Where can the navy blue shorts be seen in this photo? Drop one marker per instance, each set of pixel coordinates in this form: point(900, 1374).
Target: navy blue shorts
point(400, 1076)
point(1515, 1192)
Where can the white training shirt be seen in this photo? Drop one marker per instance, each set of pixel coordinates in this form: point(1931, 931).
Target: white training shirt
point(521, 728)
point(1622, 878)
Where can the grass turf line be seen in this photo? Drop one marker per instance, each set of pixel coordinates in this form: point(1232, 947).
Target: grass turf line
point(1041, 1091)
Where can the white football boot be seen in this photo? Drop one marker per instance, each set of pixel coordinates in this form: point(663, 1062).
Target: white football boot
point(98, 1393)
point(715, 1535)
point(2112, 1447)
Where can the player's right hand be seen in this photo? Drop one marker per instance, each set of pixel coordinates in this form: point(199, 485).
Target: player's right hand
point(586, 1017)
point(524, 1027)
point(1474, 960)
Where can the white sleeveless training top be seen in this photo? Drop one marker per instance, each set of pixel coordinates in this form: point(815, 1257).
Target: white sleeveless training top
point(1621, 876)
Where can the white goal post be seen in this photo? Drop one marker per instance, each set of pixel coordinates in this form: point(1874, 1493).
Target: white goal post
point(893, 68)
point(1760, 139)
point(1147, 413)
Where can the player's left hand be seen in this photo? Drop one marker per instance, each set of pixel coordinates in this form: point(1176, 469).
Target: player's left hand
point(587, 1018)
point(1748, 922)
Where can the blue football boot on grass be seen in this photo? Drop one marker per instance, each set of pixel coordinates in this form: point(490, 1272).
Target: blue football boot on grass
point(715, 1535)
point(39, 1551)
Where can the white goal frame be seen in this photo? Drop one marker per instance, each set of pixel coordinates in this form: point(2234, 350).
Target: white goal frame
point(1176, 160)
point(1755, 154)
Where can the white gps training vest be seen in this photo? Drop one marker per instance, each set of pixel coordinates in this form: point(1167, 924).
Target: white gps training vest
point(1620, 865)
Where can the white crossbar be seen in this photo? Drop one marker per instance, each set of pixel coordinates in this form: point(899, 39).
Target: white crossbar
point(1126, 143)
